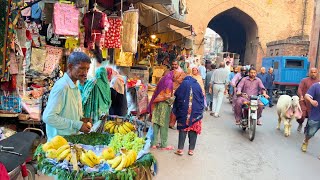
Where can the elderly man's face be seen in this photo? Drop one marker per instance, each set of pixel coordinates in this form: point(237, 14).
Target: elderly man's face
point(271, 70)
point(79, 71)
point(263, 70)
point(313, 73)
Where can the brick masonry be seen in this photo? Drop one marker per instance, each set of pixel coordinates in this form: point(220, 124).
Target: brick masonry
point(275, 19)
point(315, 36)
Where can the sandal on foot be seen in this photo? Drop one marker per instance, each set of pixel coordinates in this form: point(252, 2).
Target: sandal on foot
point(168, 148)
point(179, 152)
point(190, 152)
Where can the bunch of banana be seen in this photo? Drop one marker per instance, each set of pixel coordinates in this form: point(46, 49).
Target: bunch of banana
point(126, 159)
point(55, 143)
point(118, 127)
point(89, 158)
point(62, 153)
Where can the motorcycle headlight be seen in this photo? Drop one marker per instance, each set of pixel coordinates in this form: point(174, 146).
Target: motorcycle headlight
point(254, 102)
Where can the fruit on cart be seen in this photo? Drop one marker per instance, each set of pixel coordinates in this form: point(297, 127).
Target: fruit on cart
point(108, 153)
point(89, 124)
point(55, 143)
point(119, 126)
point(123, 162)
point(115, 162)
point(51, 153)
point(89, 158)
point(63, 155)
point(58, 141)
point(126, 159)
point(93, 157)
point(62, 148)
point(85, 160)
point(128, 141)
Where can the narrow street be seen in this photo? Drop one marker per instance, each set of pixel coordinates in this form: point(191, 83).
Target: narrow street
point(223, 151)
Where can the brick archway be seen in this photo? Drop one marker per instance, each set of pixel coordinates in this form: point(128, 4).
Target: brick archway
point(246, 9)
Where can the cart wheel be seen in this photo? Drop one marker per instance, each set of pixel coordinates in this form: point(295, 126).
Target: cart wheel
point(31, 172)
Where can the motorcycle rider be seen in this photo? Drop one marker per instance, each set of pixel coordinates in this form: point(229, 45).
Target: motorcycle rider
point(248, 86)
point(242, 72)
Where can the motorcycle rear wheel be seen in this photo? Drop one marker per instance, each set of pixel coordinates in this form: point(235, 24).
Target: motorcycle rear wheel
point(252, 128)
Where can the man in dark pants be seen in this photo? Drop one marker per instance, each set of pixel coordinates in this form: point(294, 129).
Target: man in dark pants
point(269, 85)
point(304, 85)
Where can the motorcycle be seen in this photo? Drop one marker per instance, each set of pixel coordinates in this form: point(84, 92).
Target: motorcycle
point(249, 116)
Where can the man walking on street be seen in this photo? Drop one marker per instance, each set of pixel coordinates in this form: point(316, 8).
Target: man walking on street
point(267, 80)
point(202, 71)
point(304, 85)
point(313, 125)
point(219, 81)
point(210, 70)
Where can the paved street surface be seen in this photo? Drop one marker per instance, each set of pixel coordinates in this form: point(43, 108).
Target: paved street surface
point(223, 151)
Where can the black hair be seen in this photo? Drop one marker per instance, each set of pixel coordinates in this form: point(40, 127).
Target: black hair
point(98, 54)
point(252, 69)
point(78, 57)
point(213, 66)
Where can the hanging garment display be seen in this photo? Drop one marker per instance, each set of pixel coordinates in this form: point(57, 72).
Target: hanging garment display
point(112, 38)
point(27, 11)
point(53, 57)
point(33, 28)
point(38, 59)
point(36, 12)
point(13, 65)
point(94, 23)
point(129, 38)
point(125, 59)
point(51, 38)
point(66, 19)
point(48, 13)
point(10, 103)
point(71, 43)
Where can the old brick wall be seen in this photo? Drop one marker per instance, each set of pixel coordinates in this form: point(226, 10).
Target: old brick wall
point(288, 47)
point(314, 49)
point(275, 19)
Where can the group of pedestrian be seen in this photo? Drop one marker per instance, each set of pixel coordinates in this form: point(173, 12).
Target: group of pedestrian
point(178, 99)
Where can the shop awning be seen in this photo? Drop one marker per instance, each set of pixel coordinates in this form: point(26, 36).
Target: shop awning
point(158, 22)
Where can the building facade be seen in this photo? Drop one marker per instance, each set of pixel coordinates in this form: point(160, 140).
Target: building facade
point(246, 26)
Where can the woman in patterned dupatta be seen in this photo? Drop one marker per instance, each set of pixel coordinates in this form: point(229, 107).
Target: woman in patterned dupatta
point(159, 108)
point(196, 75)
point(96, 99)
point(188, 108)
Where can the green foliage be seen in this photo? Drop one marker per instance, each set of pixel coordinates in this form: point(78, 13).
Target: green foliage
point(92, 139)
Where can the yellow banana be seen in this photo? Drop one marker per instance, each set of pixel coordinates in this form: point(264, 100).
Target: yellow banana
point(112, 129)
point(93, 157)
point(129, 159)
point(125, 127)
point(47, 146)
point(51, 153)
point(108, 125)
point(129, 125)
point(115, 162)
point(74, 160)
point(123, 162)
point(68, 157)
point(122, 130)
point(116, 129)
point(85, 160)
point(62, 148)
point(63, 155)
